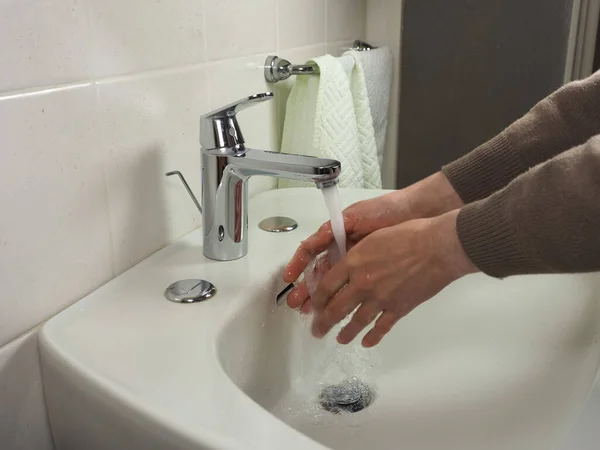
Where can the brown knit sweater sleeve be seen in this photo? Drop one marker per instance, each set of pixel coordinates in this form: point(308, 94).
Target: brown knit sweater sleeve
point(545, 221)
point(565, 119)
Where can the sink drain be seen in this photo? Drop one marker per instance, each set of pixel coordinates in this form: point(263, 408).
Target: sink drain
point(352, 395)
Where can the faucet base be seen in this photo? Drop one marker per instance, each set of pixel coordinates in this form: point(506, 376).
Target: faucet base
point(225, 205)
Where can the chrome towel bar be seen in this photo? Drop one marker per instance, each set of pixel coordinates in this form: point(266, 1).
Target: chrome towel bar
point(279, 69)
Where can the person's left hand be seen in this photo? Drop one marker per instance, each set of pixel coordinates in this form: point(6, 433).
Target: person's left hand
point(389, 273)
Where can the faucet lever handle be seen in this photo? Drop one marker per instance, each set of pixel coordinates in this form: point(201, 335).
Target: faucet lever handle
point(233, 108)
point(220, 132)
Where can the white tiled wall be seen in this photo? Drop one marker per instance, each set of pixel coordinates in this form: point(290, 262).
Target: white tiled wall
point(98, 98)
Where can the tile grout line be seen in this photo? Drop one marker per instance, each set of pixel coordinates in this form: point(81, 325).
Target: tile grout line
point(129, 76)
point(118, 77)
point(41, 89)
point(111, 234)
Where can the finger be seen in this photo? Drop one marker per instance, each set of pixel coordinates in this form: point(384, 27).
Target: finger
point(308, 250)
point(297, 296)
point(361, 319)
point(323, 263)
point(382, 327)
point(330, 284)
point(340, 306)
point(306, 307)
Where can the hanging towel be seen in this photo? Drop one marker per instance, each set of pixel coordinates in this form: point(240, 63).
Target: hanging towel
point(377, 66)
point(322, 119)
point(299, 123)
point(371, 166)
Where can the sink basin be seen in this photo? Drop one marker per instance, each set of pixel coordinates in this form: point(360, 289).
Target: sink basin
point(486, 364)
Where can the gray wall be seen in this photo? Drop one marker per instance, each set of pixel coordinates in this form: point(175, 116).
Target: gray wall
point(469, 69)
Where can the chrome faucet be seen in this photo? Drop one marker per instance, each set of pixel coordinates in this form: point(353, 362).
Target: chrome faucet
point(226, 167)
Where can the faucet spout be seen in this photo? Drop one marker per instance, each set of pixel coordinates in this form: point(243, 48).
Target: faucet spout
point(284, 165)
point(225, 192)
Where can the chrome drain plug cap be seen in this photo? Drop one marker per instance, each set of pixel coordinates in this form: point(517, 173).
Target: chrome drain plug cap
point(278, 224)
point(190, 291)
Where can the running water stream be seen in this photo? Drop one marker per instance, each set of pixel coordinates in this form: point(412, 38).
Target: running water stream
point(332, 200)
point(324, 365)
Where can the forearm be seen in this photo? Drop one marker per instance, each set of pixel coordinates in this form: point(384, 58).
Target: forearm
point(545, 221)
point(565, 119)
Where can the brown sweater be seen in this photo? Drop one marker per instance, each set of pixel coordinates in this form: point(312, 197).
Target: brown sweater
point(533, 191)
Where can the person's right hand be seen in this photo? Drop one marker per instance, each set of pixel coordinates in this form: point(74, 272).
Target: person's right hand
point(360, 220)
point(427, 198)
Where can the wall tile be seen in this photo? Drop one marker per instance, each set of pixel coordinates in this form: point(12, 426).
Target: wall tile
point(301, 23)
point(42, 43)
point(54, 239)
point(152, 127)
point(138, 35)
point(237, 78)
point(240, 27)
point(23, 418)
point(345, 20)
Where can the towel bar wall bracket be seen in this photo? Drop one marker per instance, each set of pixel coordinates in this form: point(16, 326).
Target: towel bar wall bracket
point(279, 69)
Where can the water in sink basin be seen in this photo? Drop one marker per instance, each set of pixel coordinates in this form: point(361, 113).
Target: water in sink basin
point(486, 364)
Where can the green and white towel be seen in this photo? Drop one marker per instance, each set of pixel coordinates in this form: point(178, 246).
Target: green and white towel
point(329, 116)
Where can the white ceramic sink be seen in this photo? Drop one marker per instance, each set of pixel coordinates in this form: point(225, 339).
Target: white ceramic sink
point(486, 364)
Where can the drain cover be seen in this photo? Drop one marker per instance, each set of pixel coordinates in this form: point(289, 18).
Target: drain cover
point(352, 395)
point(278, 224)
point(190, 291)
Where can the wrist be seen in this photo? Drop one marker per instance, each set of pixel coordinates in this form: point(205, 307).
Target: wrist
point(431, 197)
point(448, 246)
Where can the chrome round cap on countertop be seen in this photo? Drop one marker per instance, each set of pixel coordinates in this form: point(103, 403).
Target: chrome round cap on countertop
point(278, 224)
point(190, 291)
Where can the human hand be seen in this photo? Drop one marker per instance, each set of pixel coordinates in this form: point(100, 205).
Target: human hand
point(388, 274)
point(427, 198)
